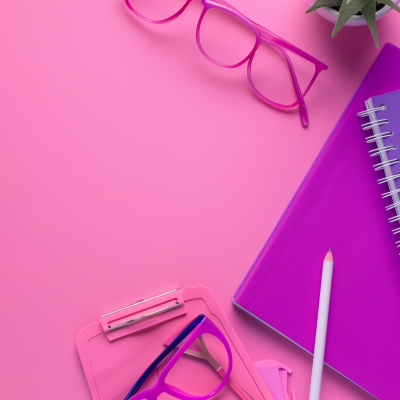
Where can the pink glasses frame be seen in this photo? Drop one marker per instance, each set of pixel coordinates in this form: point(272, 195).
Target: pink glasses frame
point(263, 36)
point(206, 326)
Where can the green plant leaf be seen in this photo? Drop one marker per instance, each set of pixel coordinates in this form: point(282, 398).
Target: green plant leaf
point(324, 3)
point(391, 4)
point(369, 11)
point(348, 9)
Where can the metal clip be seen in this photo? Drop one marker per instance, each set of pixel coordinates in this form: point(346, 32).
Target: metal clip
point(143, 314)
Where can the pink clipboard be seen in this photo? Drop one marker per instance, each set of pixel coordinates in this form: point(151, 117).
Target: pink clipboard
point(116, 350)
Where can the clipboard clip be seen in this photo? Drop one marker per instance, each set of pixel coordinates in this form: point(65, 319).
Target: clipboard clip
point(143, 314)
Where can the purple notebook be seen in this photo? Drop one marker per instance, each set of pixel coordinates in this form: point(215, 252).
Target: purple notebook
point(339, 205)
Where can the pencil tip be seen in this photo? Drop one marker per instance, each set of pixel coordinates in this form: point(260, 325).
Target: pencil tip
point(329, 256)
point(330, 251)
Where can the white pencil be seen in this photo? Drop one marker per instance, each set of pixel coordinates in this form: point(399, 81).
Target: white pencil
point(322, 323)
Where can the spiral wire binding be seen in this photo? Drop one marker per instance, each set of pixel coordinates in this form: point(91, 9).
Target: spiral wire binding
point(387, 194)
point(394, 205)
point(374, 138)
point(384, 164)
point(388, 178)
point(371, 124)
point(366, 113)
point(379, 151)
point(395, 218)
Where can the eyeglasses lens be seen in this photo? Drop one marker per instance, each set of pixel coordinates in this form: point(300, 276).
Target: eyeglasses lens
point(157, 10)
point(271, 75)
point(225, 38)
point(196, 371)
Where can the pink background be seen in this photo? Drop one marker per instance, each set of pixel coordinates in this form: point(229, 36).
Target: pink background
point(131, 165)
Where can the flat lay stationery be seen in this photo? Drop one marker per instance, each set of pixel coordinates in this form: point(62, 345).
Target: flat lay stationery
point(116, 351)
point(338, 205)
point(130, 165)
point(384, 122)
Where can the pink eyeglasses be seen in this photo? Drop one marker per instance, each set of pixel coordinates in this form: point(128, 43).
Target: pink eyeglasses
point(205, 385)
point(227, 38)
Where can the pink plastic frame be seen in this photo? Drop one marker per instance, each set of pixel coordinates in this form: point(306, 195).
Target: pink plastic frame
point(263, 36)
point(206, 326)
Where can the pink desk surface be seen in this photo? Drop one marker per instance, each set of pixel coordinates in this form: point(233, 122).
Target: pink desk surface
point(114, 186)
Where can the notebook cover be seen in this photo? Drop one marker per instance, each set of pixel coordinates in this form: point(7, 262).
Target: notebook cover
point(338, 206)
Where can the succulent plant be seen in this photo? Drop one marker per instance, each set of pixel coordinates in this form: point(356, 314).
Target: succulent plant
point(349, 8)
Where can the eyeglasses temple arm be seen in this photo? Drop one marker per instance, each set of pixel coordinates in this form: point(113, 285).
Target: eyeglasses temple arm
point(184, 333)
point(268, 35)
